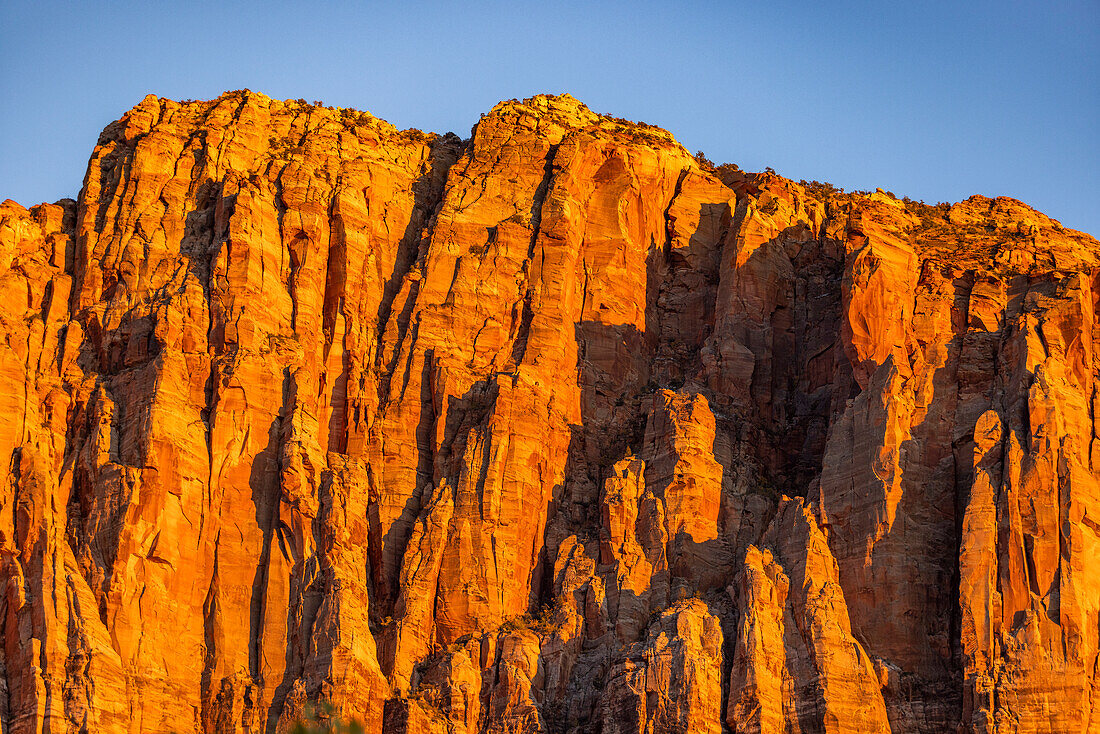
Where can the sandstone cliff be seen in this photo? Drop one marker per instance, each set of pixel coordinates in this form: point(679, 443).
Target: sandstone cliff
point(549, 430)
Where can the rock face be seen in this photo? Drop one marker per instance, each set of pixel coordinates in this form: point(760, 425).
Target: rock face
point(549, 430)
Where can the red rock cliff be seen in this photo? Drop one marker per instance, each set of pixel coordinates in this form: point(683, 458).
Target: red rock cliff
point(549, 430)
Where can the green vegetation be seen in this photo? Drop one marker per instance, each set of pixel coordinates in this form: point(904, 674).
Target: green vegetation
point(321, 719)
point(705, 163)
point(721, 170)
point(821, 190)
point(930, 216)
point(285, 146)
point(766, 487)
point(549, 618)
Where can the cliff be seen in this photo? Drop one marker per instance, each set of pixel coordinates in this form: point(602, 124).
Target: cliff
point(550, 430)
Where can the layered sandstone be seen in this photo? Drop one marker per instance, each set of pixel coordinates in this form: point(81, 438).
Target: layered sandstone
point(552, 429)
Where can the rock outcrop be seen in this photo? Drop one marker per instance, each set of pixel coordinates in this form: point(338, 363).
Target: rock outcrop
point(554, 429)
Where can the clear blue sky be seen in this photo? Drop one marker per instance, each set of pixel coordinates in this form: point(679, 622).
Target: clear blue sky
point(936, 100)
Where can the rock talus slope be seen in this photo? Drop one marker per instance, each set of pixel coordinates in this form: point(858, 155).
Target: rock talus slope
point(555, 429)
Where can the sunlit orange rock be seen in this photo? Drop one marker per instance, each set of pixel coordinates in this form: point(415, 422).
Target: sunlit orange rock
point(797, 664)
point(553, 429)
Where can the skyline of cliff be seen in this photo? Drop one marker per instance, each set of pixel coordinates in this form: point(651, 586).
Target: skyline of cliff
point(938, 100)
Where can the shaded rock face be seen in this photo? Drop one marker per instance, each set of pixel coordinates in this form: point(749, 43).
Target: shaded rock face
point(548, 430)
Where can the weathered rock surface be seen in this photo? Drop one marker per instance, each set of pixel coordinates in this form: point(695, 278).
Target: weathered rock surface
point(549, 430)
point(797, 666)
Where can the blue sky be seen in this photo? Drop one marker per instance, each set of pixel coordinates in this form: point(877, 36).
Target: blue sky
point(935, 100)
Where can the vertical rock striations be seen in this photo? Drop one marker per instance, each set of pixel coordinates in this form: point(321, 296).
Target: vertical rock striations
point(548, 430)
